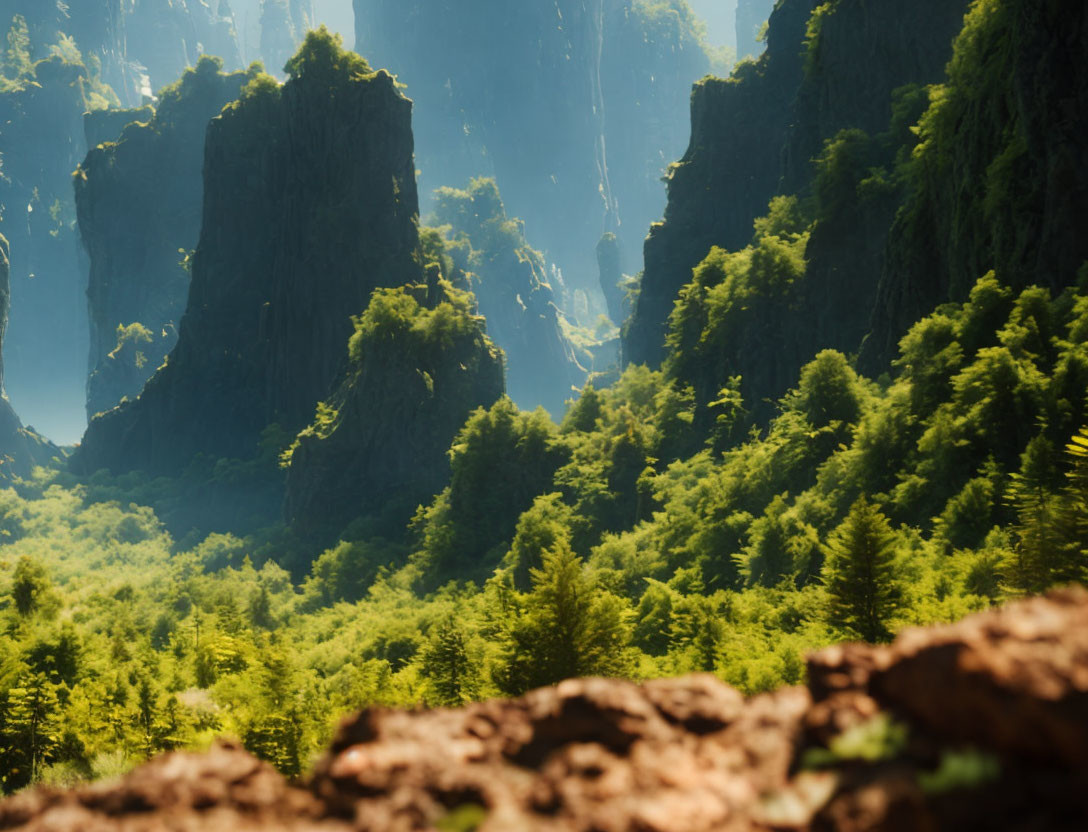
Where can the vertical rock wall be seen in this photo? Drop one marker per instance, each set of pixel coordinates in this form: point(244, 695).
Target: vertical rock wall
point(309, 204)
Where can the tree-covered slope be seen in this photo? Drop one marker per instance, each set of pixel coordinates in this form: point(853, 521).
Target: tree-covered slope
point(139, 196)
point(839, 66)
point(418, 364)
point(999, 180)
point(309, 204)
point(725, 179)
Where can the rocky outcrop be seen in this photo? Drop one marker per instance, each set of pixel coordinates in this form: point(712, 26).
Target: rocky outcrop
point(96, 26)
point(998, 182)
point(225, 790)
point(510, 281)
point(575, 109)
point(138, 199)
point(972, 726)
point(725, 179)
point(419, 364)
point(309, 205)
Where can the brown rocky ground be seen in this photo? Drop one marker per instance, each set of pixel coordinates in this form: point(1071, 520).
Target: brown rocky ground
point(977, 725)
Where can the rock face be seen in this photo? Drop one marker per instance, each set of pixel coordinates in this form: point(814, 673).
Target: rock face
point(20, 449)
point(610, 274)
point(511, 283)
point(309, 205)
point(139, 200)
point(419, 364)
point(725, 179)
point(41, 143)
point(756, 135)
point(973, 726)
point(573, 107)
point(999, 179)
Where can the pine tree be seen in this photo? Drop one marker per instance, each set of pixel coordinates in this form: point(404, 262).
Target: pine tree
point(1038, 555)
point(1074, 518)
point(31, 728)
point(568, 627)
point(860, 574)
point(447, 666)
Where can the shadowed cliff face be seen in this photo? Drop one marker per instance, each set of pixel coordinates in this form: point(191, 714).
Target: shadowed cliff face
point(761, 133)
point(309, 204)
point(138, 200)
point(974, 726)
point(999, 180)
point(41, 143)
point(725, 180)
point(419, 364)
point(573, 107)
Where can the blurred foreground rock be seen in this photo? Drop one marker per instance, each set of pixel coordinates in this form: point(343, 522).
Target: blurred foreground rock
point(978, 725)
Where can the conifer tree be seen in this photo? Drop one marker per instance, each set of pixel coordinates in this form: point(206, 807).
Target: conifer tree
point(568, 627)
point(1036, 562)
point(1074, 518)
point(447, 666)
point(30, 729)
point(860, 574)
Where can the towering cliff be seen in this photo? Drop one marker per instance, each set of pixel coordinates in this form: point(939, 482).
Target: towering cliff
point(510, 281)
point(41, 142)
point(725, 179)
point(832, 128)
point(96, 26)
point(138, 201)
point(418, 364)
point(20, 448)
point(574, 108)
point(999, 180)
point(309, 204)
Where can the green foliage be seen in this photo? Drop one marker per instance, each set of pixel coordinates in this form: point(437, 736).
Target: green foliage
point(448, 666)
point(322, 59)
point(566, 627)
point(715, 330)
point(30, 587)
point(16, 63)
point(863, 592)
point(501, 460)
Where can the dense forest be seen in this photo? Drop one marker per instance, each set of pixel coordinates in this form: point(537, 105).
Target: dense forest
point(366, 434)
